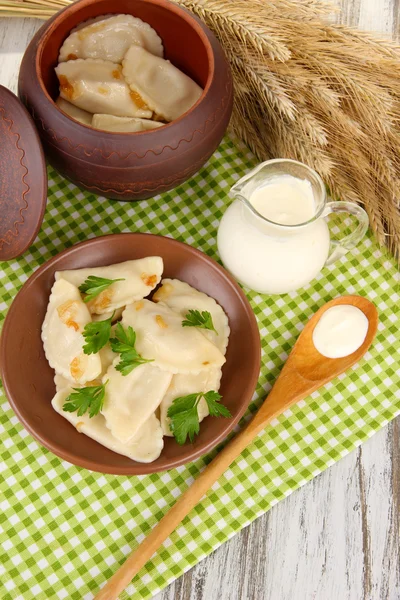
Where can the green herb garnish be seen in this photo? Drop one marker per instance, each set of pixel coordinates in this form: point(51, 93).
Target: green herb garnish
point(96, 335)
point(86, 399)
point(124, 345)
point(184, 416)
point(195, 318)
point(93, 286)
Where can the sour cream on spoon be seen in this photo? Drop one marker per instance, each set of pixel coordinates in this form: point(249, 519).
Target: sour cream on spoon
point(340, 331)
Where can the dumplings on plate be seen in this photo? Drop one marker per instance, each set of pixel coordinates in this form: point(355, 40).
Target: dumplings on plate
point(139, 277)
point(161, 337)
point(145, 446)
point(163, 87)
point(123, 124)
point(109, 37)
point(62, 337)
point(97, 86)
point(181, 297)
point(120, 395)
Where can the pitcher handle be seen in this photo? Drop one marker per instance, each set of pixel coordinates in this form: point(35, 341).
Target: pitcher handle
point(341, 247)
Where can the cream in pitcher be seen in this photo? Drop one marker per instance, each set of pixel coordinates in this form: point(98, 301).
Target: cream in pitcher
point(273, 238)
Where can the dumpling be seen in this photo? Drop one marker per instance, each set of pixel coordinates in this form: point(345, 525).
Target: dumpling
point(161, 337)
point(123, 124)
point(184, 384)
point(116, 314)
point(98, 86)
point(62, 337)
point(131, 399)
point(82, 116)
point(145, 446)
point(109, 38)
point(91, 21)
point(107, 355)
point(61, 382)
point(181, 297)
point(163, 87)
point(139, 278)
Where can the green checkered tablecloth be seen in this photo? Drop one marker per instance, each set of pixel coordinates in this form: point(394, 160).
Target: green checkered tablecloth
point(65, 530)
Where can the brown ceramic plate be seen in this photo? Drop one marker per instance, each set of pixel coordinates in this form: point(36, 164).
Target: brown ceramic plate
point(28, 379)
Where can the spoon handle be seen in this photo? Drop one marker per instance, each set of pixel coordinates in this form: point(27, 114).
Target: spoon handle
point(284, 393)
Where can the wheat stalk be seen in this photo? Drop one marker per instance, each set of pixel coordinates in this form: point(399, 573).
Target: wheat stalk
point(40, 9)
point(327, 95)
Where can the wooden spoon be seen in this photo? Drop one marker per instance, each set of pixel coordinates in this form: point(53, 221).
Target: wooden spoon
point(304, 372)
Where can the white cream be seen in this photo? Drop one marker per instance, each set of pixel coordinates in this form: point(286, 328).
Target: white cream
point(340, 331)
point(268, 256)
point(285, 199)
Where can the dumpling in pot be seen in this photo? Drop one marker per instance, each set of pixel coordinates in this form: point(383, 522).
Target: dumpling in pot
point(82, 116)
point(90, 22)
point(161, 337)
point(123, 124)
point(145, 446)
point(62, 337)
point(131, 399)
point(181, 297)
point(163, 87)
point(98, 86)
point(185, 384)
point(109, 38)
point(138, 278)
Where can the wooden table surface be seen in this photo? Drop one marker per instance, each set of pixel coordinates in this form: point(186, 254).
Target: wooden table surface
point(337, 538)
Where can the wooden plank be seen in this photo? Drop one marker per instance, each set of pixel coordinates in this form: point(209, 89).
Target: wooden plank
point(335, 539)
point(15, 35)
point(381, 16)
point(380, 497)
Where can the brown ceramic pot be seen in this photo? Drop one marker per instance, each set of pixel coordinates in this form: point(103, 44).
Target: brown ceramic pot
point(130, 166)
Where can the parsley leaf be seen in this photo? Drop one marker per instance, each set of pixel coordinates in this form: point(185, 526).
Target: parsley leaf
point(129, 361)
point(96, 335)
point(124, 345)
point(182, 404)
point(125, 340)
point(93, 286)
point(215, 408)
point(185, 423)
point(84, 399)
point(184, 418)
point(195, 318)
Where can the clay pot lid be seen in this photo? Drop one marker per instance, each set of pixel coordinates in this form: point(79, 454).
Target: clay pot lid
point(23, 177)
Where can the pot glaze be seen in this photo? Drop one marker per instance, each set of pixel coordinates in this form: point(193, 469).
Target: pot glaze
point(130, 166)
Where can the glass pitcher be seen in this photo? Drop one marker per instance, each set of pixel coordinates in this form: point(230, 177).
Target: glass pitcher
point(274, 257)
